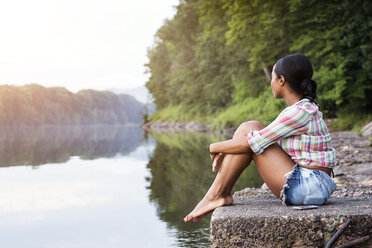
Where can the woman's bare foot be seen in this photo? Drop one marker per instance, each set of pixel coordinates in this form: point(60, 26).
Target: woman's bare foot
point(207, 205)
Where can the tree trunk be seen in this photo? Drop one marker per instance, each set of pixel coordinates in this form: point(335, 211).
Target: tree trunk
point(267, 71)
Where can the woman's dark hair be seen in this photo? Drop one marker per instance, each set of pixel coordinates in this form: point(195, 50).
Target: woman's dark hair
point(297, 71)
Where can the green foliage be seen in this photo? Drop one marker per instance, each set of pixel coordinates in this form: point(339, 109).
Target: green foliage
point(214, 58)
point(159, 64)
point(351, 121)
point(263, 108)
point(259, 27)
point(336, 36)
point(36, 105)
point(179, 113)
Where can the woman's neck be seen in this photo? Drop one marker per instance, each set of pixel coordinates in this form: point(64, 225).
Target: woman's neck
point(291, 99)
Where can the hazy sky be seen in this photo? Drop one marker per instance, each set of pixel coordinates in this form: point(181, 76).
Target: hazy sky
point(78, 44)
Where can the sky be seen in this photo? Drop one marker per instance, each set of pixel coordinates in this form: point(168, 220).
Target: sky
point(79, 44)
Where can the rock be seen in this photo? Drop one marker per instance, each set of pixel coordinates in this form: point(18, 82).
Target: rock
point(147, 125)
point(173, 126)
point(353, 174)
point(258, 219)
point(264, 186)
point(367, 130)
point(197, 126)
point(353, 159)
point(180, 126)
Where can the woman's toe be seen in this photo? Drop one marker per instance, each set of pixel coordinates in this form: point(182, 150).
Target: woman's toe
point(187, 218)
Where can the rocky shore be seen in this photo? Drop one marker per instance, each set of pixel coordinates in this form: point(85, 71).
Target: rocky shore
point(354, 159)
point(173, 126)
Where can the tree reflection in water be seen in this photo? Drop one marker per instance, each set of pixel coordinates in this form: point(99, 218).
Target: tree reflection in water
point(56, 144)
point(181, 175)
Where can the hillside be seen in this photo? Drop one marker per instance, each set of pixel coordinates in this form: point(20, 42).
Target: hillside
point(212, 61)
point(36, 105)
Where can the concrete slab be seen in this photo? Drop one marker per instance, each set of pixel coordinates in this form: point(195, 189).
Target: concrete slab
point(258, 219)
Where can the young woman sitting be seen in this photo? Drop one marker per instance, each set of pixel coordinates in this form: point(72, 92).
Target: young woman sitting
point(293, 154)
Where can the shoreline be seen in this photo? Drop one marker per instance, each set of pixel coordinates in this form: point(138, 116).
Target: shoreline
point(184, 126)
point(353, 152)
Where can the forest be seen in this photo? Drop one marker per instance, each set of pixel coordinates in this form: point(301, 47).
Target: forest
point(212, 61)
point(34, 104)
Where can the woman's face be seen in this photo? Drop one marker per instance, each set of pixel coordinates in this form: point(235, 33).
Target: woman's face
point(276, 84)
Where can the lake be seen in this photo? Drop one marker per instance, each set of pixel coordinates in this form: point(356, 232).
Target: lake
point(104, 186)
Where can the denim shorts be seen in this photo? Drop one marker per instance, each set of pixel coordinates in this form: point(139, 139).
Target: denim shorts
point(306, 187)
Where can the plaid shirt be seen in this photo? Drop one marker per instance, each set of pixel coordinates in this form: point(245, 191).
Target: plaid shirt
point(301, 132)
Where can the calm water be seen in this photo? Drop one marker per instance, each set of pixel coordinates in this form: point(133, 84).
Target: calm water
point(104, 187)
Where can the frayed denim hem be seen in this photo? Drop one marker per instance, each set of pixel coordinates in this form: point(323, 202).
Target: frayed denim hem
point(306, 187)
point(283, 192)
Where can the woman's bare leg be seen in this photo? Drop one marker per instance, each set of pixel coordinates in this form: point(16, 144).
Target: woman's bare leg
point(273, 164)
point(273, 159)
point(219, 194)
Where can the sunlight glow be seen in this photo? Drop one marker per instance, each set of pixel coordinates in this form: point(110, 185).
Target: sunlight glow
point(78, 44)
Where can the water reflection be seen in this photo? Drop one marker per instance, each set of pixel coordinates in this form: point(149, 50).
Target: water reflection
point(56, 144)
point(94, 176)
point(181, 175)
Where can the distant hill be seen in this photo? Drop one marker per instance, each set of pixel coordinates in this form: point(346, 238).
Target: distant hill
point(141, 93)
point(34, 104)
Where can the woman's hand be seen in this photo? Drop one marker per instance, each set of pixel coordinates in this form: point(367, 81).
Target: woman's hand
point(216, 157)
point(217, 160)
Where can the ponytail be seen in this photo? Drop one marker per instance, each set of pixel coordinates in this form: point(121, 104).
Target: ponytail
point(309, 87)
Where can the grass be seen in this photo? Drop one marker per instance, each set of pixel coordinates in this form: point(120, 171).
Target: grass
point(263, 108)
point(178, 113)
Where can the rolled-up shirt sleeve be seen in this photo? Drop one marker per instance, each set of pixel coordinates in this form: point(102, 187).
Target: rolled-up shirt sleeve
point(291, 121)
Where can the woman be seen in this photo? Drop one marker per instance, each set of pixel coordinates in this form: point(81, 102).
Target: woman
point(293, 154)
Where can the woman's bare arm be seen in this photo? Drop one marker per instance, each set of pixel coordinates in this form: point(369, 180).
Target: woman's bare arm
point(233, 146)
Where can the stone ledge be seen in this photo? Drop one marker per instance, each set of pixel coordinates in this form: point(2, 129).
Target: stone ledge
point(258, 219)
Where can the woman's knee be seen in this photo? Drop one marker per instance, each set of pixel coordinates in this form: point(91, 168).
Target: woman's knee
point(247, 126)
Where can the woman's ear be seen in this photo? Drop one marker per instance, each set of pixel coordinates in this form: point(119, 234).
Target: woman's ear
point(281, 80)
